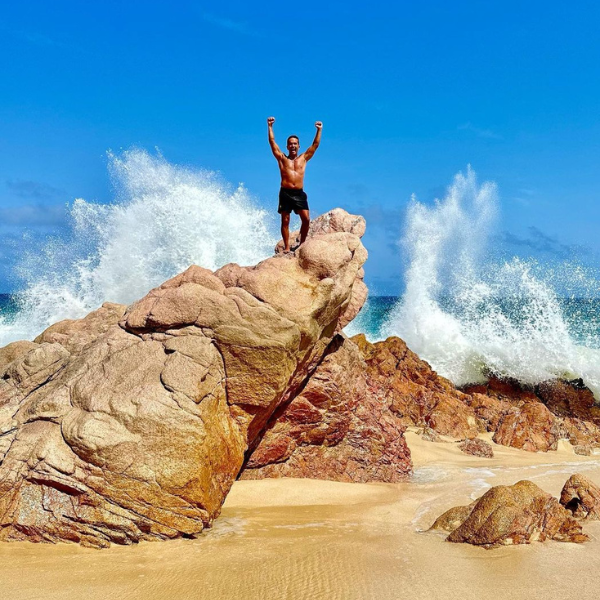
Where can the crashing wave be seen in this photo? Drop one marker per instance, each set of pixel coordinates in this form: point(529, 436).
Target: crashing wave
point(164, 218)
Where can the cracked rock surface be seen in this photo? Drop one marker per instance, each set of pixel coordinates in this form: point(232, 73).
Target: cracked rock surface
point(132, 423)
point(334, 428)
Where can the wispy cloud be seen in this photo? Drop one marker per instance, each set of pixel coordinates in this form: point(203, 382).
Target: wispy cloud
point(229, 24)
point(358, 190)
point(527, 191)
point(479, 132)
point(525, 196)
point(539, 241)
point(33, 216)
point(35, 39)
point(33, 189)
point(41, 40)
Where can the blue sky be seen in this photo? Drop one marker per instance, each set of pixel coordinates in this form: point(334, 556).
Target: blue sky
point(409, 93)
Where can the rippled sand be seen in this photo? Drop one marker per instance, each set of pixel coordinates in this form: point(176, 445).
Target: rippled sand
point(295, 539)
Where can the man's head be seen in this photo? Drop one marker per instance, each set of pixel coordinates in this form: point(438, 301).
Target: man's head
point(293, 145)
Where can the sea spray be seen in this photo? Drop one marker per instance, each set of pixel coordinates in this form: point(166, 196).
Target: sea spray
point(471, 316)
point(163, 219)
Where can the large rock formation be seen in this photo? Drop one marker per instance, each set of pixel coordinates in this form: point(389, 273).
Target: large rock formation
point(348, 423)
point(133, 423)
point(334, 429)
point(518, 514)
point(534, 419)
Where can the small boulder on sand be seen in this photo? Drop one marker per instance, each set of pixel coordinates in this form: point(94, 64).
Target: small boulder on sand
point(518, 514)
point(430, 435)
point(582, 497)
point(477, 447)
point(582, 449)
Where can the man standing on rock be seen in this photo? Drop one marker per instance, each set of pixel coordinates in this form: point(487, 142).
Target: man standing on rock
point(291, 194)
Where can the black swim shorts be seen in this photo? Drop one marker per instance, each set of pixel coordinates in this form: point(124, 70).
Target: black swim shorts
point(292, 200)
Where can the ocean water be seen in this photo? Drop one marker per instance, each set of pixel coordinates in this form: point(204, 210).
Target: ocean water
point(466, 308)
point(581, 316)
point(8, 307)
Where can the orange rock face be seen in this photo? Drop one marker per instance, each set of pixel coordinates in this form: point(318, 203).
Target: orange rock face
point(575, 406)
point(417, 395)
point(530, 427)
point(488, 409)
point(535, 419)
point(348, 422)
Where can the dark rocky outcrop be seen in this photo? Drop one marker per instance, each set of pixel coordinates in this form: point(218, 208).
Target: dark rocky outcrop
point(416, 394)
point(334, 429)
point(535, 418)
point(347, 423)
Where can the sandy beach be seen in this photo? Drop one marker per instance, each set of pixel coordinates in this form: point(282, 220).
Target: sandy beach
point(296, 539)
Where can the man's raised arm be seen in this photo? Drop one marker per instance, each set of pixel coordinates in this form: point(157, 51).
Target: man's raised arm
point(313, 147)
point(277, 153)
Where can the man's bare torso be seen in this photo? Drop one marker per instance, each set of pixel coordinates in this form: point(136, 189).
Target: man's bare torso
point(292, 172)
point(293, 165)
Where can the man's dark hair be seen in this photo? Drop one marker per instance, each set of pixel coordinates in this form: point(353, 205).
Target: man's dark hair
point(293, 136)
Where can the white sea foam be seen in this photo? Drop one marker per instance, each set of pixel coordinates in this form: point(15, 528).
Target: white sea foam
point(164, 218)
point(469, 316)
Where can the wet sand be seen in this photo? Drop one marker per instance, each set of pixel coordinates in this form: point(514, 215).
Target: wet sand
point(296, 539)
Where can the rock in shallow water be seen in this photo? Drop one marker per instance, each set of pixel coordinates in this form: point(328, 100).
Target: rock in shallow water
point(518, 514)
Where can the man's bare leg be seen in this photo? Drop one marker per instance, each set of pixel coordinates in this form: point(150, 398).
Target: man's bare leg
point(305, 218)
point(285, 231)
